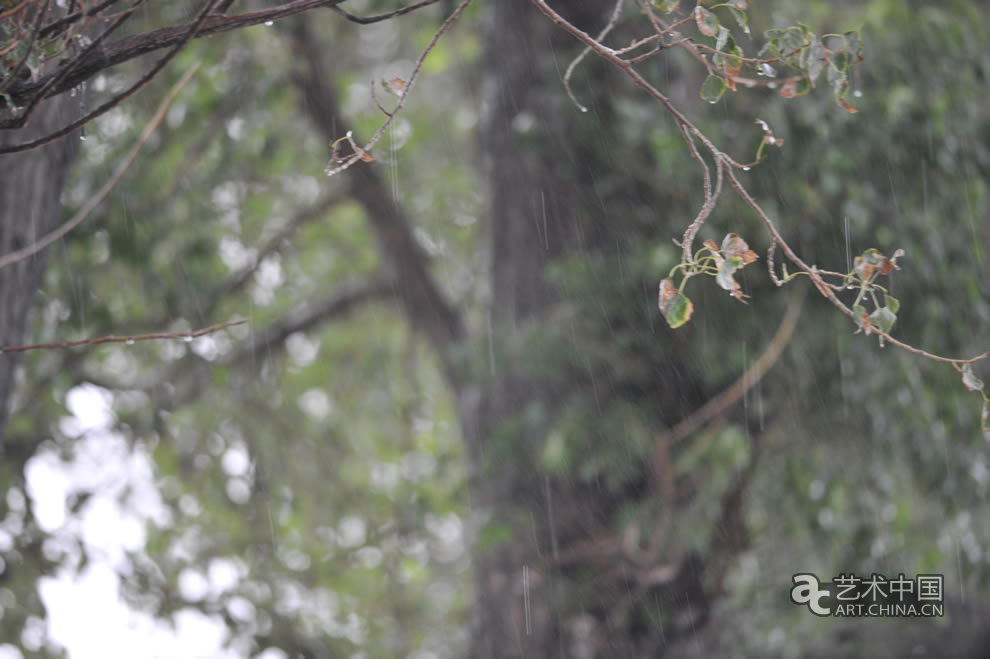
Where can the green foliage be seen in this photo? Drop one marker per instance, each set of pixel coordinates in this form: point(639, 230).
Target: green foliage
point(355, 486)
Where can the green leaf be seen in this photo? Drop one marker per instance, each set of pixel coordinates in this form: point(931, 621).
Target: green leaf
point(666, 6)
point(893, 303)
point(713, 88)
point(741, 17)
point(723, 37)
point(883, 319)
point(970, 380)
point(674, 305)
point(815, 58)
point(859, 311)
point(707, 23)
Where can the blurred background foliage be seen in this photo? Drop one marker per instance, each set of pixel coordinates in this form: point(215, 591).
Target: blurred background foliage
point(327, 471)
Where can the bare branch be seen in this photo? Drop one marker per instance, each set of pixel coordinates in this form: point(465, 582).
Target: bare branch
point(188, 336)
point(63, 72)
point(145, 79)
point(94, 201)
point(367, 20)
point(584, 53)
point(237, 281)
point(140, 44)
point(346, 298)
point(362, 153)
point(710, 198)
point(30, 47)
point(56, 27)
point(424, 303)
point(720, 404)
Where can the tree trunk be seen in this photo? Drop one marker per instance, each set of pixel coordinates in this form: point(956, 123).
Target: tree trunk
point(31, 189)
point(554, 576)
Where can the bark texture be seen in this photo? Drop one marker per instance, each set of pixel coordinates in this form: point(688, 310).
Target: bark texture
point(554, 577)
point(31, 186)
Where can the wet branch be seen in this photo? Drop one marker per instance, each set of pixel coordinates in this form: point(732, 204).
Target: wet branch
point(123, 339)
point(19, 255)
point(726, 165)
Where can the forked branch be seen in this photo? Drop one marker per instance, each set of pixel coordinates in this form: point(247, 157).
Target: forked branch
point(808, 51)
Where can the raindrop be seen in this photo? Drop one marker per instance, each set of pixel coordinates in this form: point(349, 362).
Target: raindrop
point(82, 137)
point(713, 102)
point(584, 109)
point(746, 168)
point(129, 342)
point(269, 23)
point(858, 93)
point(187, 338)
point(772, 85)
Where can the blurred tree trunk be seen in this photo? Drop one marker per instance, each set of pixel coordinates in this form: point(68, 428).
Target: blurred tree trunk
point(550, 568)
point(30, 207)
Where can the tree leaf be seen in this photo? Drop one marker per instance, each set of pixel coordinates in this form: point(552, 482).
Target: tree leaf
point(723, 38)
point(845, 106)
point(674, 305)
point(713, 88)
point(741, 18)
point(734, 247)
point(815, 58)
point(394, 86)
point(883, 319)
point(707, 23)
point(666, 6)
point(970, 381)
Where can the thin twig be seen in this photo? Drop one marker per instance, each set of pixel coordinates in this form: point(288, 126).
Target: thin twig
point(367, 20)
point(616, 12)
point(362, 153)
point(29, 49)
point(709, 204)
point(726, 163)
point(127, 93)
point(124, 339)
point(94, 201)
point(21, 119)
point(720, 404)
point(53, 28)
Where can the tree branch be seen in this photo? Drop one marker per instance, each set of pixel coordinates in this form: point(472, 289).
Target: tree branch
point(424, 304)
point(32, 249)
point(345, 299)
point(140, 44)
point(727, 165)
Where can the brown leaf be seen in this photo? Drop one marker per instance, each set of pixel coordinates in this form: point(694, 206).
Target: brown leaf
point(395, 85)
point(737, 293)
point(735, 247)
point(847, 107)
point(707, 23)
